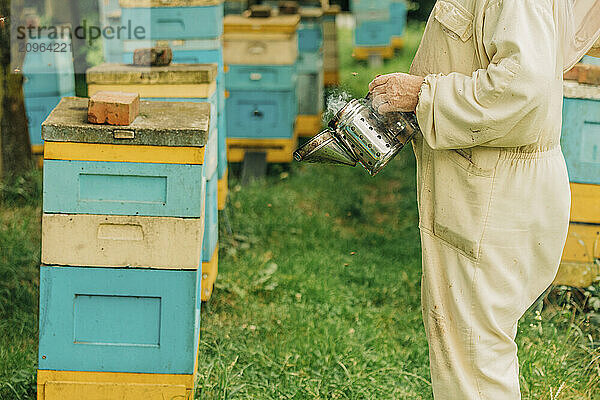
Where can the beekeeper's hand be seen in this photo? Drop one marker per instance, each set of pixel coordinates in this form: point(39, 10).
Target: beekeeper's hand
point(395, 92)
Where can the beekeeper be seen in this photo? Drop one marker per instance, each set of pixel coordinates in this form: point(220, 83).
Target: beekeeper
point(493, 190)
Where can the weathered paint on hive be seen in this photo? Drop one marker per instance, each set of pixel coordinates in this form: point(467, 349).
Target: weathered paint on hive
point(174, 74)
point(122, 241)
point(111, 385)
point(158, 124)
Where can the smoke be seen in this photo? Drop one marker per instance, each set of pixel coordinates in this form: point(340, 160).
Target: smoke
point(335, 101)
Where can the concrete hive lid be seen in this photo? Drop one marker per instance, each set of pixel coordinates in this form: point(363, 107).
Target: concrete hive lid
point(174, 74)
point(167, 3)
point(274, 24)
point(159, 123)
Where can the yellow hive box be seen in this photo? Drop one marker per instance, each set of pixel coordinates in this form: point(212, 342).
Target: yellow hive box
point(120, 153)
point(308, 125)
point(583, 243)
point(71, 385)
point(579, 266)
point(363, 53)
point(276, 24)
point(397, 42)
point(585, 203)
point(331, 78)
point(278, 150)
point(172, 81)
point(210, 270)
point(577, 274)
point(222, 190)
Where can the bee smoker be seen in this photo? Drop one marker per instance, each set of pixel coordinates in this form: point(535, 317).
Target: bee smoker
point(358, 134)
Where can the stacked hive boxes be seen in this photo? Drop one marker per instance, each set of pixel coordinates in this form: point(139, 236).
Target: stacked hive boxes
point(581, 147)
point(260, 57)
point(331, 66)
point(373, 32)
point(122, 234)
point(310, 85)
point(193, 29)
point(177, 82)
point(49, 75)
point(398, 13)
point(110, 18)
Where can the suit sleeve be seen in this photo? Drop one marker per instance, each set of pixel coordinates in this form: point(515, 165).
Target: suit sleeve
point(505, 104)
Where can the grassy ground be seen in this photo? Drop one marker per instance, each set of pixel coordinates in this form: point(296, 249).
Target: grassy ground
point(318, 292)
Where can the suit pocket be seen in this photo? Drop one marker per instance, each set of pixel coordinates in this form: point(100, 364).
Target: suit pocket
point(461, 196)
point(455, 19)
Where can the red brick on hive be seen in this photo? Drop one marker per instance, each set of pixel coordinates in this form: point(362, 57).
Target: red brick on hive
point(113, 108)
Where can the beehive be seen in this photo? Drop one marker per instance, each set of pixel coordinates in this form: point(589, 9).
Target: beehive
point(330, 48)
point(580, 139)
point(398, 12)
point(373, 31)
point(310, 88)
point(176, 82)
point(110, 17)
point(49, 75)
point(122, 235)
point(260, 57)
point(193, 30)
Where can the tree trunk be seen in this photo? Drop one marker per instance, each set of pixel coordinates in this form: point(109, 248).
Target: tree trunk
point(15, 149)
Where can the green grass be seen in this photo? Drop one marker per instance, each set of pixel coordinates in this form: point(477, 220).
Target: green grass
point(318, 295)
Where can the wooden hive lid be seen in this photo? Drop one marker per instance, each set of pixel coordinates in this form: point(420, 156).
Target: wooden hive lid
point(167, 3)
point(174, 74)
point(273, 24)
point(158, 124)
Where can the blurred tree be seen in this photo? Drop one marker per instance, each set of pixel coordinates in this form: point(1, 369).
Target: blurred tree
point(421, 10)
point(15, 149)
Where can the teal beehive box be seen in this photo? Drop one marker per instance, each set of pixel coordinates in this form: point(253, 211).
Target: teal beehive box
point(123, 188)
point(580, 138)
point(118, 320)
point(175, 19)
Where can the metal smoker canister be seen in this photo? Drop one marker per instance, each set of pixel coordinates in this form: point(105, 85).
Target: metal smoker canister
point(358, 134)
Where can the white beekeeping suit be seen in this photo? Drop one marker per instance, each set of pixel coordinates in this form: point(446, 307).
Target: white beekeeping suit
point(493, 190)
